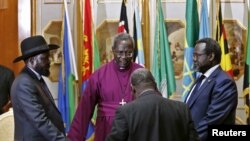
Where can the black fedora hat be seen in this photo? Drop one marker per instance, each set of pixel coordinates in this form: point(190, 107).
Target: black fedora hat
point(34, 45)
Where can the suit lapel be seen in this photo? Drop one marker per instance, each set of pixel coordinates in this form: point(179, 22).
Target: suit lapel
point(46, 90)
point(43, 92)
point(199, 92)
point(209, 81)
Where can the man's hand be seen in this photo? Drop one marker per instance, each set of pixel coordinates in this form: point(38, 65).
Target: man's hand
point(6, 107)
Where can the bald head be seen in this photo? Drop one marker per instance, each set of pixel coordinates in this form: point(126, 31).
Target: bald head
point(141, 80)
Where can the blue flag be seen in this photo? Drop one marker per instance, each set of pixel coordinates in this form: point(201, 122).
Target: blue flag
point(66, 95)
point(204, 21)
point(138, 38)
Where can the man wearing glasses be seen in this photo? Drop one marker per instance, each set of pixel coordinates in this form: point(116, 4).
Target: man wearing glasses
point(109, 88)
point(213, 97)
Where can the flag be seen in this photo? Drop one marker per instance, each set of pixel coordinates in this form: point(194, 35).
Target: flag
point(123, 24)
point(87, 43)
point(204, 21)
point(96, 54)
point(139, 56)
point(91, 58)
point(97, 63)
point(67, 76)
point(146, 31)
point(162, 67)
point(246, 80)
point(192, 34)
point(221, 38)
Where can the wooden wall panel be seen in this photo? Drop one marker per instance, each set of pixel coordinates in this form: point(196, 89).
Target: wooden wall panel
point(9, 34)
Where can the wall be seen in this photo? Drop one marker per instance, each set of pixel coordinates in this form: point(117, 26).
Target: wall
point(9, 34)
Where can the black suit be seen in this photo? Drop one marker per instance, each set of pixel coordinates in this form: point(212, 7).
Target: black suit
point(6, 79)
point(153, 118)
point(36, 115)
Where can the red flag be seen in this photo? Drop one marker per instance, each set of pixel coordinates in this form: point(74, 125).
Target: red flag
point(222, 40)
point(123, 24)
point(89, 46)
point(87, 42)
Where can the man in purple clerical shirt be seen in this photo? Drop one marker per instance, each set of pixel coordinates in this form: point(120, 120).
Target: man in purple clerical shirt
point(109, 88)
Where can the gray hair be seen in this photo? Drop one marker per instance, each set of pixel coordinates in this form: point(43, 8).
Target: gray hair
point(122, 37)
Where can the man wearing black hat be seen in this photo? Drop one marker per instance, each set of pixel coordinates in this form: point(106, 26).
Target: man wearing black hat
point(36, 115)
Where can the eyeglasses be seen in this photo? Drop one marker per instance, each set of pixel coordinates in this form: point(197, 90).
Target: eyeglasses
point(125, 53)
point(197, 55)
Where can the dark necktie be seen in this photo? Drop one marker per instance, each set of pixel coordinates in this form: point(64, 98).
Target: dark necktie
point(46, 88)
point(196, 87)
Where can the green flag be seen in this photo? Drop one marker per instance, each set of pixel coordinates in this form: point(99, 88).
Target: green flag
point(246, 81)
point(192, 34)
point(162, 67)
point(96, 58)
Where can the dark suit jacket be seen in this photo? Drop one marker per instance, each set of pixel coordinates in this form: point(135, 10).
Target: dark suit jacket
point(36, 115)
point(6, 79)
point(153, 118)
point(214, 103)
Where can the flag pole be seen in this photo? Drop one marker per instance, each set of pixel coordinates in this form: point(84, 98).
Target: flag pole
point(72, 53)
point(146, 32)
